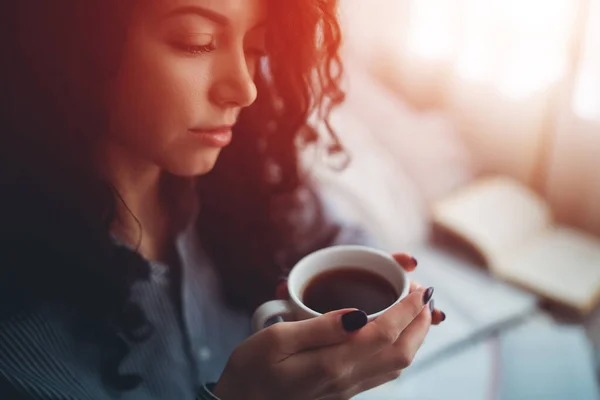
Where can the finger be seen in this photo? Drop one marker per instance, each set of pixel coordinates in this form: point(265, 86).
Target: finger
point(438, 317)
point(414, 286)
point(401, 354)
point(383, 332)
point(407, 262)
point(325, 330)
point(386, 329)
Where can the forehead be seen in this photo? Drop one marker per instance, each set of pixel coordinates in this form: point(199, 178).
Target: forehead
point(242, 14)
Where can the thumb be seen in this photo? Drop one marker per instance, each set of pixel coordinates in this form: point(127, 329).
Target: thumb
point(325, 330)
point(386, 329)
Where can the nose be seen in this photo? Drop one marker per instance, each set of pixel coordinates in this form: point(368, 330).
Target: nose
point(234, 86)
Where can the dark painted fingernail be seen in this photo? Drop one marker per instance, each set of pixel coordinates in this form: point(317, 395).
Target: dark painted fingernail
point(427, 295)
point(443, 316)
point(415, 262)
point(432, 306)
point(354, 320)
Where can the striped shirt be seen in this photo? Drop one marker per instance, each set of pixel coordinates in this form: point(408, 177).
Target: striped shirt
point(41, 357)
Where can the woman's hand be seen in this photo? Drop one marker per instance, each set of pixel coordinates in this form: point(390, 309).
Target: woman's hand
point(409, 264)
point(334, 356)
point(387, 365)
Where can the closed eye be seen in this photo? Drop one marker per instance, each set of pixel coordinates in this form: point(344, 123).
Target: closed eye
point(195, 49)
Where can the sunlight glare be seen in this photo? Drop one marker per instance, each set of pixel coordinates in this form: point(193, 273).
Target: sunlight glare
point(586, 100)
point(475, 61)
point(432, 34)
point(539, 44)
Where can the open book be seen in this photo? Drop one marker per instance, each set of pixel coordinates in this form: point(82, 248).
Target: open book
point(513, 231)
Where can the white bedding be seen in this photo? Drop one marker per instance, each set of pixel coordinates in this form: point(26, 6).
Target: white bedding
point(401, 160)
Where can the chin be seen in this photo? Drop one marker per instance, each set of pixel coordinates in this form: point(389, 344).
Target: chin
point(194, 165)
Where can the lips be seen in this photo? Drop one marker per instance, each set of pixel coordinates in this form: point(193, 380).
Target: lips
point(214, 137)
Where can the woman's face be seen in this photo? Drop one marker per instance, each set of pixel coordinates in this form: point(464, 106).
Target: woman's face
point(187, 71)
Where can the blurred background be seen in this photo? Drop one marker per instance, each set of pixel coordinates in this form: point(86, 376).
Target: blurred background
point(442, 93)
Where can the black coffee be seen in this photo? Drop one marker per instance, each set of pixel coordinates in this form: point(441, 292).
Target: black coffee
point(348, 287)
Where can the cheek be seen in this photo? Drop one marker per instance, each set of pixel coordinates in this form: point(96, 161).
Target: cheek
point(158, 97)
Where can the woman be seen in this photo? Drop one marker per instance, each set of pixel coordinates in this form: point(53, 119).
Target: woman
point(114, 211)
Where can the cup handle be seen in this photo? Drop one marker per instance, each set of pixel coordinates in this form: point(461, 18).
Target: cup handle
point(271, 309)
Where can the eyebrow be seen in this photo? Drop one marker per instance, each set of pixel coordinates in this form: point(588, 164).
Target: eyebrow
point(211, 15)
point(217, 18)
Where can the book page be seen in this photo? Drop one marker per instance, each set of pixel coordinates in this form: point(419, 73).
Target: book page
point(563, 265)
point(497, 215)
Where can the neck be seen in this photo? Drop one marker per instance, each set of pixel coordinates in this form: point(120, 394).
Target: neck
point(145, 210)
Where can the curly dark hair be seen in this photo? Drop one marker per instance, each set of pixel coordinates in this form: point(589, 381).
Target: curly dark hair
point(56, 212)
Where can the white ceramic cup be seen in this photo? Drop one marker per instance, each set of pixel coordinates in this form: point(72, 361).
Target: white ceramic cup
point(365, 258)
